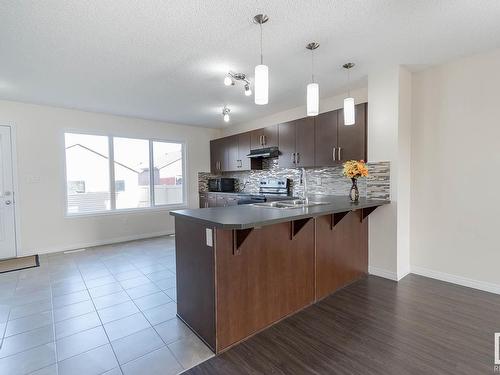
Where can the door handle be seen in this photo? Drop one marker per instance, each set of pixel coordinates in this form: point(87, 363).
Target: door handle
point(340, 157)
point(334, 157)
point(8, 203)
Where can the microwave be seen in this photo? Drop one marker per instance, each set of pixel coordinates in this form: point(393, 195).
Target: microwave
point(221, 184)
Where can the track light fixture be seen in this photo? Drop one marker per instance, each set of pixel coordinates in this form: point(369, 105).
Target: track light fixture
point(231, 78)
point(225, 114)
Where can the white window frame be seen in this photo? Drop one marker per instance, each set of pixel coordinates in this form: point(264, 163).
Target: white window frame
point(119, 211)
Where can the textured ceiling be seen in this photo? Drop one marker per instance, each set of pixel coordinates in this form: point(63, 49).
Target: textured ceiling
point(166, 60)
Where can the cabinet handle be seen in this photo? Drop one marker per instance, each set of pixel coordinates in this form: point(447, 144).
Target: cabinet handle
point(340, 149)
point(292, 156)
point(264, 140)
point(298, 157)
point(333, 153)
point(261, 140)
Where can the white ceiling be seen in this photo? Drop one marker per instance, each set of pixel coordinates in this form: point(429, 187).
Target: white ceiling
point(166, 60)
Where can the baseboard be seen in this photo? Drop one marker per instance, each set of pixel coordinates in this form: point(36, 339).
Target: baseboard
point(107, 241)
point(383, 273)
point(459, 280)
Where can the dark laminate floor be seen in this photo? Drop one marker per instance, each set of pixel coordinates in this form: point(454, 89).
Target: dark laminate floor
point(376, 326)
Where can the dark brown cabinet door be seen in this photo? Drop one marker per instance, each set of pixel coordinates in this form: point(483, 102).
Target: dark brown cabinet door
point(270, 136)
point(203, 200)
point(212, 200)
point(325, 133)
point(256, 140)
point(304, 142)
point(243, 151)
point(232, 153)
point(341, 252)
point(217, 155)
point(352, 139)
point(265, 137)
point(286, 134)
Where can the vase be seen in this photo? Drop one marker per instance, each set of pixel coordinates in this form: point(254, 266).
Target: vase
point(354, 193)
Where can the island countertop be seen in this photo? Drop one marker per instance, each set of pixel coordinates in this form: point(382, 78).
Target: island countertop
point(250, 216)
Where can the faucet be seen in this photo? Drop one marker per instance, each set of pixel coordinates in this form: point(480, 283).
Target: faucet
point(303, 177)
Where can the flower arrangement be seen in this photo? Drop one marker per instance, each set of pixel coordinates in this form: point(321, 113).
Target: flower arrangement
point(355, 169)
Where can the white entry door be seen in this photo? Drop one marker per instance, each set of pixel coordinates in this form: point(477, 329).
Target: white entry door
point(7, 203)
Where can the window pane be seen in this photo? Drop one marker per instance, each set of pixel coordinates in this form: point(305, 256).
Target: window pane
point(87, 173)
point(168, 173)
point(131, 161)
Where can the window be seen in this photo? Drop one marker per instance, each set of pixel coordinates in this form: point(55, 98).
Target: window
point(142, 173)
point(87, 173)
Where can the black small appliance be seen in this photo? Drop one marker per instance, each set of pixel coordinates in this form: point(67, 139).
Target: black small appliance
point(221, 184)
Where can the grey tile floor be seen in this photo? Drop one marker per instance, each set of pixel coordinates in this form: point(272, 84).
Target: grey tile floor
point(106, 310)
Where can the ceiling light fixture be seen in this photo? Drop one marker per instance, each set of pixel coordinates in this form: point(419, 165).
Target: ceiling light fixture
point(233, 77)
point(312, 91)
point(261, 70)
point(228, 81)
point(349, 111)
point(225, 114)
point(248, 90)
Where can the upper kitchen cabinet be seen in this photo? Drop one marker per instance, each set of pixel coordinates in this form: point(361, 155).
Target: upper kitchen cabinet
point(229, 154)
point(265, 137)
point(325, 151)
point(352, 139)
point(336, 142)
point(218, 155)
point(296, 143)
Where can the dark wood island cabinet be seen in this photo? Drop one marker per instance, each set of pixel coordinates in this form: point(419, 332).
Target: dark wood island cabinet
point(241, 269)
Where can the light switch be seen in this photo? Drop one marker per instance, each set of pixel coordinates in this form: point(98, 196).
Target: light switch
point(209, 235)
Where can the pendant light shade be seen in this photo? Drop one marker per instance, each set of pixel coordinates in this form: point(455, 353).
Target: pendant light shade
point(349, 110)
point(312, 91)
point(349, 113)
point(312, 99)
point(261, 85)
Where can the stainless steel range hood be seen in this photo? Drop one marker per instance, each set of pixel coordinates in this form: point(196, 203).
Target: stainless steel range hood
point(269, 152)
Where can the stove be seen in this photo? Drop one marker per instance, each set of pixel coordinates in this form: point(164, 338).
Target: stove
point(275, 187)
point(270, 189)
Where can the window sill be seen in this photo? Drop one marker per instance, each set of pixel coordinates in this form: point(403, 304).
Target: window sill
point(128, 211)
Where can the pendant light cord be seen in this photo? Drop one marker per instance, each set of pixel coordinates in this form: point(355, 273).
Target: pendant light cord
point(349, 82)
point(261, 56)
point(312, 66)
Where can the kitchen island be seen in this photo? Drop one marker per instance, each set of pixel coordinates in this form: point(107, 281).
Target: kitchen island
point(240, 269)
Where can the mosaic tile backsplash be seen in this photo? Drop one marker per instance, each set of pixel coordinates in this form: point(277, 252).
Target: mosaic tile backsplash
point(320, 181)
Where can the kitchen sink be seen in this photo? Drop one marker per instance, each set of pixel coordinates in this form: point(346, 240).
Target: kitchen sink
point(296, 203)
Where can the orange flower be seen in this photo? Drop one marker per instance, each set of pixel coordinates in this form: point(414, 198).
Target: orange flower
point(355, 169)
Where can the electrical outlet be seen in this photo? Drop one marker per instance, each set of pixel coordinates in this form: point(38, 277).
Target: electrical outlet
point(318, 181)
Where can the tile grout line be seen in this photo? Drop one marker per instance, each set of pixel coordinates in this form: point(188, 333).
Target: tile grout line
point(53, 323)
point(102, 324)
point(152, 326)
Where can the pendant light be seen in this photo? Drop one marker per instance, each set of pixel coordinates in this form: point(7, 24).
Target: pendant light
point(349, 111)
point(312, 91)
point(261, 85)
point(225, 114)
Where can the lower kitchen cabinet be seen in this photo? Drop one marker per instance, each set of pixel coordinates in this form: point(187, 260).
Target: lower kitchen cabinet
point(270, 277)
point(341, 251)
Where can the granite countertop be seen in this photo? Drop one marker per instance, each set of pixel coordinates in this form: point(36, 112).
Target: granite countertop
point(250, 216)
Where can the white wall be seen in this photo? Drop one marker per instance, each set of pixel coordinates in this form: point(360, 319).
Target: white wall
point(40, 163)
point(389, 122)
point(456, 172)
point(327, 104)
